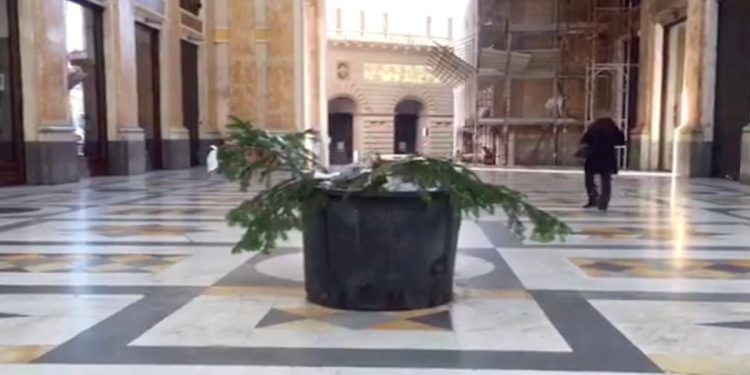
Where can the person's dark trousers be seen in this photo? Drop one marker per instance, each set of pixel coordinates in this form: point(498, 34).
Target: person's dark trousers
point(596, 198)
point(591, 189)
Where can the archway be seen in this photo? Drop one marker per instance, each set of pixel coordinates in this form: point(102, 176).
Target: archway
point(341, 131)
point(406, 127)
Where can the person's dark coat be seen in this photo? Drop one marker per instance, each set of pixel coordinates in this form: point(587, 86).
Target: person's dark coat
point(602, 138)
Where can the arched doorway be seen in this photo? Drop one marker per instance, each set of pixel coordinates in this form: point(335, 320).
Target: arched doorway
point(341, 131)
point(406, 127)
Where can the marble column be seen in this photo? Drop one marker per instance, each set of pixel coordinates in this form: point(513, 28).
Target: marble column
point(695, 135)
point(126, 146)
point(211, 62)
point(245, 92)
point(266, 63)
point(51, 153)
point(175, 143)
point(640, 136)
point(219, 67)
point(745, 155)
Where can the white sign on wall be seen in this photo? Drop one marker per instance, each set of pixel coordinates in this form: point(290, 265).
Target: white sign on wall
point(399, 73)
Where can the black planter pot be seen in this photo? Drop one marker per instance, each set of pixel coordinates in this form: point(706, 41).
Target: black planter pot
point(391, 251)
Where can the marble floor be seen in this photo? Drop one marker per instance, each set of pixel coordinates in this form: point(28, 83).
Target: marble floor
point(123, 275)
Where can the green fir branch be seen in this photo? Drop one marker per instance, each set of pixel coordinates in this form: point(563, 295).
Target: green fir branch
point(271, 214)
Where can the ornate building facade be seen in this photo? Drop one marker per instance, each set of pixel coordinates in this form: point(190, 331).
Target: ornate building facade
point(383, 98)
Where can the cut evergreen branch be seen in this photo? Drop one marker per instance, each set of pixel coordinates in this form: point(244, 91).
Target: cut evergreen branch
point(253, 155)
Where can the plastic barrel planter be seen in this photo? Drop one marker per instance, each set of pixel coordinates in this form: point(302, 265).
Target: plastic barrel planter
point(381, 252)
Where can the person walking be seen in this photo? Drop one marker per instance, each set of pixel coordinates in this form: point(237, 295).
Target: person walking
point(599, 149)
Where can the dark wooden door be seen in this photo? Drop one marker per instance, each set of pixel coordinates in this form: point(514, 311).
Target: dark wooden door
point(190, 98)
point(149, 93)
point(732, 87)
point(12, 169)
point(88, 98)
point(405, 134)
point(341, 134)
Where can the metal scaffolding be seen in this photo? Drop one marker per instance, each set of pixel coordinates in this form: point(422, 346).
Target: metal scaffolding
point(585, 50)
point(612, 64)
point(512, 51)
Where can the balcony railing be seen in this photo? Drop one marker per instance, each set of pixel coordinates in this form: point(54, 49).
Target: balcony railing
point(389, 38)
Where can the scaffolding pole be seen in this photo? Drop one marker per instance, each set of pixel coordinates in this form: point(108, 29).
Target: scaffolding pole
point(615, 25)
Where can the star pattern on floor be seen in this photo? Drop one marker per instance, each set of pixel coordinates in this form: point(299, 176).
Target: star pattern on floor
point(732, 325)
point(11, 316)
point(665, 268)
point(636, 233)
point(17, 210)
point(87, 263)
point(317, 317)
point(138, 230)
point(155, 211)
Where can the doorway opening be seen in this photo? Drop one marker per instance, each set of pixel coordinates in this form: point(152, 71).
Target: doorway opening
point(85, 44)
point(149, 93)
point(732, 111)
point(12, 166)
point(191, 99)
point(341, 131)
point(674, 72)
point(406, 127)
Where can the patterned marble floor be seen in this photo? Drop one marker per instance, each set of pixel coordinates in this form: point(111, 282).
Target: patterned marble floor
point(133, 275)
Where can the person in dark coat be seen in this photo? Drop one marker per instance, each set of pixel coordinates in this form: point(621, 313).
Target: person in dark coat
point(600, 142)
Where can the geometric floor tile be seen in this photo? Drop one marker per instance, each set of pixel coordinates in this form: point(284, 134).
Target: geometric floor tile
point(672, 328)
point(22, 354)
point(731, 325)
point(87, 263)
point(497, 324)
point(640, 233)
point(708, 269)
point(425, 320)
point(10, 316)
point(662, 280)
point(144, 230)
point(48, 319)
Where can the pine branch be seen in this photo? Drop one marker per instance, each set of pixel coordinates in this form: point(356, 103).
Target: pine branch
point(270, 215)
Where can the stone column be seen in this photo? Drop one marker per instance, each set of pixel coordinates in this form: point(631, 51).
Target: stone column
point(246, 94)
point(219, 66)
point(640, 136)
point(51, 152)
point(175, 141)
point(695, 135)
point(211, 62)
point(745, 161)
point(266, 63)
point(126, 146)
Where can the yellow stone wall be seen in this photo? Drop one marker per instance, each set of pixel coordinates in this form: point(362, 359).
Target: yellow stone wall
point(242, 65)
point(280, 68)
point(44, 58)
point(274, 62)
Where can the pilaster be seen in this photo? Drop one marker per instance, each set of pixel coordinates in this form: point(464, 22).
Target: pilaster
point(126, 146)
point(175, 137)
point(51, 153)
